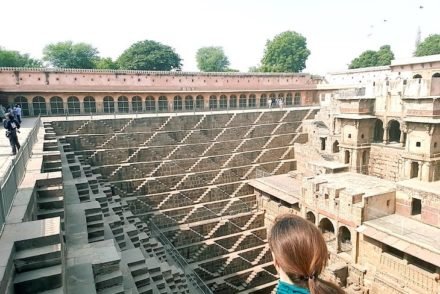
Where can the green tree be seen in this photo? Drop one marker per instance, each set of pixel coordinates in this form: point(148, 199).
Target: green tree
point(9, 58)
point(287, 52)
point(254, 69)
point(212, 59)
point(370, 58)
point(149, 55)
point(429, 46)
point(106, 63)
point(384, 55)
point(70, 55)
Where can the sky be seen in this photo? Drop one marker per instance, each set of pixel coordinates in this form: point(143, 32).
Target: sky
point(337, 31)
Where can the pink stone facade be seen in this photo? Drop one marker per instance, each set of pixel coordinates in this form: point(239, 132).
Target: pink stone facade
point(55, 92)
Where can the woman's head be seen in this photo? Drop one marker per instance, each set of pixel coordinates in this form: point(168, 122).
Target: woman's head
point(300, 252)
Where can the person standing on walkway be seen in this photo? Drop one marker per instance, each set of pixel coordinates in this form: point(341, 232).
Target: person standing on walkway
point(18, 113)
point(12, 126)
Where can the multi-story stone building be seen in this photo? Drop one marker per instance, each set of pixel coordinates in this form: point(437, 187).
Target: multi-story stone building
point(146, 202)
point(369, 177)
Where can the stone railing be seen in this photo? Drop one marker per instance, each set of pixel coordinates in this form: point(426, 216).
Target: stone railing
point(409, 274)
point(151, 72)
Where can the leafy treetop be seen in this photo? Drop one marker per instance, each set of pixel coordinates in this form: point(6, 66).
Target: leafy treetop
point(287, 52)
point(149, 55)
point(212, 59)
point(370, 58)
point(70, 55)
point(429, 46)
point(9, 58)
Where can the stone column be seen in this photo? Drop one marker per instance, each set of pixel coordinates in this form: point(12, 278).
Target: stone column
point(115, 103)
point(385, 136)
point(407, 169)
point(354, 161)
point(426, 166)
point(81, 105)
point(130, 105)
point(419, 175)
point(402, 138)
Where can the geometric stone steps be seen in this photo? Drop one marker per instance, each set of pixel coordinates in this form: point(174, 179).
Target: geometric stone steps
point(50, 202)
point(261, 255)
point(111, 279)
point(258, 118)
point(38, 280)
point(250, 221)
point(217, 226)
point(237, 243)
point(39, 257)
point(50, 213)
point(284, 116)
point(118, 289)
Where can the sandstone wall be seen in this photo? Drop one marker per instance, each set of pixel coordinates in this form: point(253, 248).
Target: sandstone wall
point(385, 162)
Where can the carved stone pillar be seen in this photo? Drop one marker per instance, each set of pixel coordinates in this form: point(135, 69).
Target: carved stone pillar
point(385, 136)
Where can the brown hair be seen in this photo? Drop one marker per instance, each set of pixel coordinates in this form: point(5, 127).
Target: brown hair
point(300, 250)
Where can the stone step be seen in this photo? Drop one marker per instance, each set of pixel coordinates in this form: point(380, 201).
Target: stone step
point(50, 213)
point(59, 290)
point(38, 280)
point(108, 280)
point(51, 202)
point(138, 269)
point(119, 289)
point(145, 289)
point(35, 258)
point(142, 280)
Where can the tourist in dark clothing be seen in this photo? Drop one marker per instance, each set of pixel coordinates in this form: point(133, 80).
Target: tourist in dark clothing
point(12, 126)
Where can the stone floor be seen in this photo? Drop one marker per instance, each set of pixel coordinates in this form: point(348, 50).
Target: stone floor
point(5, 148)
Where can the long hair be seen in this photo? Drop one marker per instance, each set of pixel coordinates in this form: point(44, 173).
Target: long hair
point(301, 252)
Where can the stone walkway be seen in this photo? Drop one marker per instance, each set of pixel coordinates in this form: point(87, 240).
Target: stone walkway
point(5, 148)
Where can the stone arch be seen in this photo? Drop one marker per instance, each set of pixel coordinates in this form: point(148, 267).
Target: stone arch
point(162, 103)
point(89, 104)
point(310, 216)
point(347, 157)
point(263, 100)
point(378, 131)
point(189, 103)
point(56, 105)
point(297, 99)
point(233, 101)
point(335, 147)
point(212, 102)
point(200, 102)
point(327, 229)
point(178, 103)
point(109, 104)
point(252, 102)
point(73, 105)
point(223, 101)
point(39, 105)
point(136, 104)
point(242, 103)
point(344, 239)
point(24, 104)
point(123, 104)
point(417, 76)
point(150, 103)
point(289, 99)
point(436, 75)
point(394, 131)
